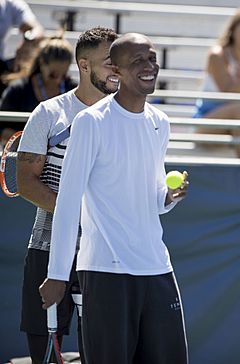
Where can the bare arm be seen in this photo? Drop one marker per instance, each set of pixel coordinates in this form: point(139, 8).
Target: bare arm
point(217, 67)
point(35, 29)
point(29, 169)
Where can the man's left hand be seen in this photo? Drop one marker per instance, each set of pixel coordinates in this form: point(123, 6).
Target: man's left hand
point(52, 291)
point(179, 193)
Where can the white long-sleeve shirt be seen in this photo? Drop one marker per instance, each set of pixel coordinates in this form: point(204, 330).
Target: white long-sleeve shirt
point(114, 173)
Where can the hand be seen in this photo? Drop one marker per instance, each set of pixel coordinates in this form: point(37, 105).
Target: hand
point(179, 193)
point(52, 291)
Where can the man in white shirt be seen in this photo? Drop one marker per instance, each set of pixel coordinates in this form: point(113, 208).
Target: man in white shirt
point(114, 174)
point(39, 170)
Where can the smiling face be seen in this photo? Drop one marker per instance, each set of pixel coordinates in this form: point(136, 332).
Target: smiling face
point(101, 74)
point(137, 66)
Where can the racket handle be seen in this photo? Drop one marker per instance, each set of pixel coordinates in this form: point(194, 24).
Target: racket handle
point(52, 318)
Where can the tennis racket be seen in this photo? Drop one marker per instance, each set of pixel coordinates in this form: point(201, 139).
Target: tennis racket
point(53, 354)
point(8, 167)
point(8, 175)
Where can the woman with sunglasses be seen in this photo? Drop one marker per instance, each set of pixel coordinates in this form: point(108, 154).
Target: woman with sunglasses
point(42, 76)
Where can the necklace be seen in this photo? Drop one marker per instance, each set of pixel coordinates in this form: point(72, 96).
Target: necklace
point(42, 87)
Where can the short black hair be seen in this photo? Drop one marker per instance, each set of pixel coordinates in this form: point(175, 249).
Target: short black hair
point(91, 38)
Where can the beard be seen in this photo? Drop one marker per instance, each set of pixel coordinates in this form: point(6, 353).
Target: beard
point(99, 84)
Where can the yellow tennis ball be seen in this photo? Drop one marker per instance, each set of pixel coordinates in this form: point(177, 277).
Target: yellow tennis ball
point(174, 179)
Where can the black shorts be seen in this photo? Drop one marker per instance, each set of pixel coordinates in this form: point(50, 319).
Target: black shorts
point(34, 317)
point(132, 319)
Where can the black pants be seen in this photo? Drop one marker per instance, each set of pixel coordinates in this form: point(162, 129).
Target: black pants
point(34, 317)
point(132, 319)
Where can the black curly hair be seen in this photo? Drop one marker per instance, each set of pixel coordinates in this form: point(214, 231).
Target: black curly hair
point(91, 38)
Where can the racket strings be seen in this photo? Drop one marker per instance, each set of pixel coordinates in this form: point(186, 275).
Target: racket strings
point(9, 166)
point(10, 172)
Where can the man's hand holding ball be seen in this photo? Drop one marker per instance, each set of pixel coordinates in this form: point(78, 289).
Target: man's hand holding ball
point(177, 186)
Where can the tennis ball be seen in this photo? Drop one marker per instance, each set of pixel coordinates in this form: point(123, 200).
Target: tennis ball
point(174, 179)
